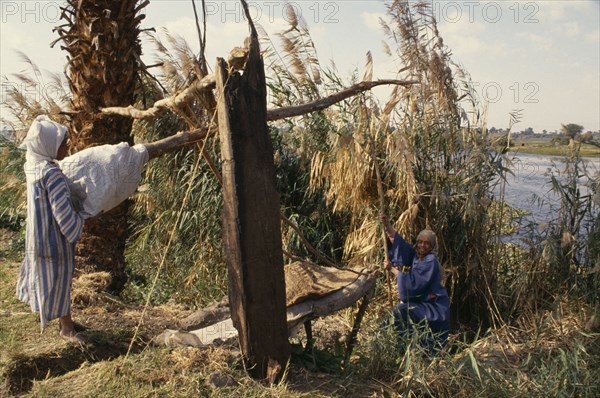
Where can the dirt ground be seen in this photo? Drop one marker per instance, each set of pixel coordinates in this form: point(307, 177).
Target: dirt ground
point(115, 330)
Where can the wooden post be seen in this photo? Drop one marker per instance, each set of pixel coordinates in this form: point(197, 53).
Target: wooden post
point(351, 339)
point(251, 224)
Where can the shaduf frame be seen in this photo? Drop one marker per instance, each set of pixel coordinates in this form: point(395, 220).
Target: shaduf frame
point(251, 214)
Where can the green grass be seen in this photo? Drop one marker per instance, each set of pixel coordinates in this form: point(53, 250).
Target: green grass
point(546, 350)
point(547, 147)
point(547, 353)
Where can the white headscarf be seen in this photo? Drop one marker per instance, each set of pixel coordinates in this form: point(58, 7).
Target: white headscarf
point(43, 139)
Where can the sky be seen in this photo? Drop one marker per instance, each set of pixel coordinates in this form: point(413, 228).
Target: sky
point(539, 57)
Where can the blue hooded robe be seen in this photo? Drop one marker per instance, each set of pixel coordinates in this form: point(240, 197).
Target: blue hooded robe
point(423, 298)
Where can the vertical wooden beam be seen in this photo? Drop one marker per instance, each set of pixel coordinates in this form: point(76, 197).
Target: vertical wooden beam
point(351, 339)
point(251, 224)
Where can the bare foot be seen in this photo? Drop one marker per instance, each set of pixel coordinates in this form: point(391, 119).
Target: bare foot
point(68, 330)
point(73, 337)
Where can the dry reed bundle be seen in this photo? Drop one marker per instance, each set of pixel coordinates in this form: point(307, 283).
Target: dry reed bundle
point(89, 289)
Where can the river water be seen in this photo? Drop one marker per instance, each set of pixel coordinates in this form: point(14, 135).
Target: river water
point(529, 187)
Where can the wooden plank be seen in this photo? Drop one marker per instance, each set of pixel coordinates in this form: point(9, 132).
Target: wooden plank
point(251, 224)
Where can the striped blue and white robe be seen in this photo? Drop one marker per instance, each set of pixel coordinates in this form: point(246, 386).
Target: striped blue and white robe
point(53, 227)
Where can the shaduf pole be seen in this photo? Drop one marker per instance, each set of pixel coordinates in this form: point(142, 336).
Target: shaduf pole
point(251, 223)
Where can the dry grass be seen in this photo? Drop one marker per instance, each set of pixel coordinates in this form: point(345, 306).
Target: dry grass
point(551, 352)
point(434, 157)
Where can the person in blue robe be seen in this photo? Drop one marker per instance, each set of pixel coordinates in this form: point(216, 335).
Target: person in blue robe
point(52, 229)
point(418, 273)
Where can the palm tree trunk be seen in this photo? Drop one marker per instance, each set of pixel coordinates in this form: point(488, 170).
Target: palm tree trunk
point(102, 39)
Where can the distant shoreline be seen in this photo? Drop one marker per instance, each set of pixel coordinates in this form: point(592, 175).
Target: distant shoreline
point(546, 147)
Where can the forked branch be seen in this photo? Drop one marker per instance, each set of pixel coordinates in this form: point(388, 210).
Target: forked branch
point(163, 105)
point(160, 147)
point(208, 83)
point(289, 111)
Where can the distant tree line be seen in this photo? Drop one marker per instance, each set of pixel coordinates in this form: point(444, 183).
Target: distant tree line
point(566, 133)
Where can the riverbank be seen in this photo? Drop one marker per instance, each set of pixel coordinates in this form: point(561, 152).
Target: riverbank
point(554, 351)
point(547, 147)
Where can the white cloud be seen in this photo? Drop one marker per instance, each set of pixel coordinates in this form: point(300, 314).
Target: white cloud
point(15, 39)
point(318, 33)
point(536, 39)
point(184, 27)
point(575, 22)
point(570, 29)
point(463, 27)
point(467, 46)
point(559, 10)
point(371, 20)
point(464, 37)
point(221, 37)
point(593, 36)
point(554, 10)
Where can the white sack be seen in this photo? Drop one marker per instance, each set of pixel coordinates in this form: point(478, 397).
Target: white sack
point(101, 177)
point(221, 331)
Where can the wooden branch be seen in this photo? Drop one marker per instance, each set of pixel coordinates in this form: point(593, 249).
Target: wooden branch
point(324, 259)
point(289, 111)
point(160, 147)
point(299, 313)
point(296, 314)
point(351, 339)
point(208, 83)
point(291, 256)
point(163, 105)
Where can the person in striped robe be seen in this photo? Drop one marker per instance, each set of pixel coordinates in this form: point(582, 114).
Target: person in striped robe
point(53, 227)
